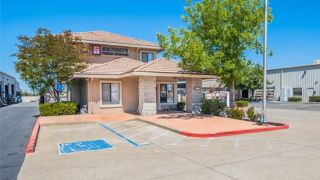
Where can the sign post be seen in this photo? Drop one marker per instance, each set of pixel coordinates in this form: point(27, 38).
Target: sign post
point(264, 106)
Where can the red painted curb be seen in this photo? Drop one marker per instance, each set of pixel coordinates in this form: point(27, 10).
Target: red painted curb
point(33, 138)
point(236, 132)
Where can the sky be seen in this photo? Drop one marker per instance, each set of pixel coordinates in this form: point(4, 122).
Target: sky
point(294, 34)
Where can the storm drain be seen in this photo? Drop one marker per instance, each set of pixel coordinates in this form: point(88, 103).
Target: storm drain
point(83, 146)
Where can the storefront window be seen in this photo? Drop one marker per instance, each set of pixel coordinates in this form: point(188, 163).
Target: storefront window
point(166, 93)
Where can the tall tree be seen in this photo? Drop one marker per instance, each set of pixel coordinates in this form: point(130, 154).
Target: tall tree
point(216, 36)
point(47, 59)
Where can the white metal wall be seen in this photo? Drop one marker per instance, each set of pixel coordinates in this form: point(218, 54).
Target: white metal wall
point(305, 77)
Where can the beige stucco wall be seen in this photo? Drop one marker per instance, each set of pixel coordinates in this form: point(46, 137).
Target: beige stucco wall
point(129, 88)
point(134, 53)
point(194, 95)
point(130, 94)
point(140, 94)
point(147, 95)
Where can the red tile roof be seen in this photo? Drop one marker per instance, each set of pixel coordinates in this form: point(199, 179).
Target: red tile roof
point(115, 67)
point(160, 65)
point(130, 67)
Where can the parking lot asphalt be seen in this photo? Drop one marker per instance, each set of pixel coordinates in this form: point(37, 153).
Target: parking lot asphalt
point(289, 105)
point(16, 123)
point(161, 154)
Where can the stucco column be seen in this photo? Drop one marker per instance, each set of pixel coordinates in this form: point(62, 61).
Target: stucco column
point(194, 94)
point(9, 89)
point(2, 93)
point(147, 95)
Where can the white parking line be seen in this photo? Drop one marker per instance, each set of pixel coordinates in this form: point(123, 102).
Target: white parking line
point(142, 132)
point(177, 141)
point(137, 126)
point(269, 145)
point(237, 143)
point(207, 142)
point(159, 135)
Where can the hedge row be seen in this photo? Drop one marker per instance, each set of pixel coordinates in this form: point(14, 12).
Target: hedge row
point(242, 103)
point(294, 99)
point(58, 108)
point(314, 98)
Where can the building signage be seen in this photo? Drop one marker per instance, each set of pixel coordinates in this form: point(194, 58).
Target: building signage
point(197, 88)
point(115, 51)
point(96, 50)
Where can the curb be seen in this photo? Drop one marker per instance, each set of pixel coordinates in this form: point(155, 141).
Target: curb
point(30, 147)
point(236, 132)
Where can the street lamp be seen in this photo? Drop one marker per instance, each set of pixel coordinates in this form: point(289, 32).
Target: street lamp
point(264, 105)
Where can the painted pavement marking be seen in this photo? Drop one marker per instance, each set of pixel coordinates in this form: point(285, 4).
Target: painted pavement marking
point(121, 136)
point(82, 146)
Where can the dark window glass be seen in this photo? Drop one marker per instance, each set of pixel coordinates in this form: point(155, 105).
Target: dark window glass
point(163, 93)
point(110, 93)
point(297, 91)
point(147, 56)
point(166, 93)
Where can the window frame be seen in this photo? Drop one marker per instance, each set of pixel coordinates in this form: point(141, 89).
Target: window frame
point(100, 94)
point(297, 88)
point(154, 55)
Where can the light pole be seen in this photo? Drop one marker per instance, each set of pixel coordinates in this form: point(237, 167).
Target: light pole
point(264, 106)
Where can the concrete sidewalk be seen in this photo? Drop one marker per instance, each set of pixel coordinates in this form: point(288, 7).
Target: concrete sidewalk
point(184, 123)
point(208, 126)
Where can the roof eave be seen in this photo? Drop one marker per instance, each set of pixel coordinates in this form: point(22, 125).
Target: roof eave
point(157, 48)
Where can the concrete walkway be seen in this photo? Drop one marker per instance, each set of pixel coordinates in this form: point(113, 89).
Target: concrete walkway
point(184, 123)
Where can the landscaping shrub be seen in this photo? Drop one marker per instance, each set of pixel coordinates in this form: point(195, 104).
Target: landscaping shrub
point(242, 103)
point(235, 113)
point(251, 114)
point(245, 99)
point(314, 98)
point(58, 108)
point(294, 99)
point(212, 106)
point(180, 106)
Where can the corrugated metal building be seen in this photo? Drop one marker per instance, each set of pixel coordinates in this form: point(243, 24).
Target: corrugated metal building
point(301, 81)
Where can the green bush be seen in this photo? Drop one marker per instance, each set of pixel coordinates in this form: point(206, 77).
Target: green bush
point(251, 114)
point(180, 106)
point(235, 113)
point(58, 108)
point(294, 99)
point(212, 106)
point(314, 98)
point(245, 99)
point(242, 103)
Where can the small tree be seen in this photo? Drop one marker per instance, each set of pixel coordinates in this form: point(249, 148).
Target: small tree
point(47, 59)
point(253, 78)
point(217, 34)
